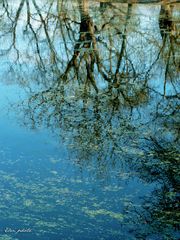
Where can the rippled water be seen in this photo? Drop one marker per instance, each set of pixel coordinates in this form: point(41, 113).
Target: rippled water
point(89, 124)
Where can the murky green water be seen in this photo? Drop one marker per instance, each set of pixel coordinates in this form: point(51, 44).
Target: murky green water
point(89, 124)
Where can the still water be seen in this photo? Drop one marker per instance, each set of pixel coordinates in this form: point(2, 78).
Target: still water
point(89, 124)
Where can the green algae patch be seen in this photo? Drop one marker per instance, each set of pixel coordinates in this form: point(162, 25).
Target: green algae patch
point(6, 237)
point(94, 213)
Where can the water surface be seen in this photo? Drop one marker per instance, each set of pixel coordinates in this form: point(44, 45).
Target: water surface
point(89, 125)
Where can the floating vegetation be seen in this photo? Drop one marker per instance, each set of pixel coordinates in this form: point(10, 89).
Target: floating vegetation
point(7, 237)
point(94, 213)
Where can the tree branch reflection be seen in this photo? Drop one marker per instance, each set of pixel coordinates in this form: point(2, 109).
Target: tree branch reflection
point(105, 81)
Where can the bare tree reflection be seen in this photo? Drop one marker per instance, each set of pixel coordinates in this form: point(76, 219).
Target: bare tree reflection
point(88, 60)
point(90, 78)
point(170, 34)
point(159, 214)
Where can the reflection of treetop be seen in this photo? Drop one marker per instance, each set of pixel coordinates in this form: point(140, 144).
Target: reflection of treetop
point(123, 52)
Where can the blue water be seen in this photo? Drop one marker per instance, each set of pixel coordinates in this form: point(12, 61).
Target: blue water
point(80, 164)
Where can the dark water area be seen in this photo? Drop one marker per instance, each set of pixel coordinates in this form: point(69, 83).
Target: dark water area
point(89, 123)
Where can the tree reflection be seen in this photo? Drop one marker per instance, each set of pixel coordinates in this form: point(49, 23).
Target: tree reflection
point(90, 76)
point(100, 51)
point(159, 214)
point(170, 34)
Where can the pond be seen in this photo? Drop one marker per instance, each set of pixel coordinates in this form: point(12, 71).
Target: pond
point(89, 124)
